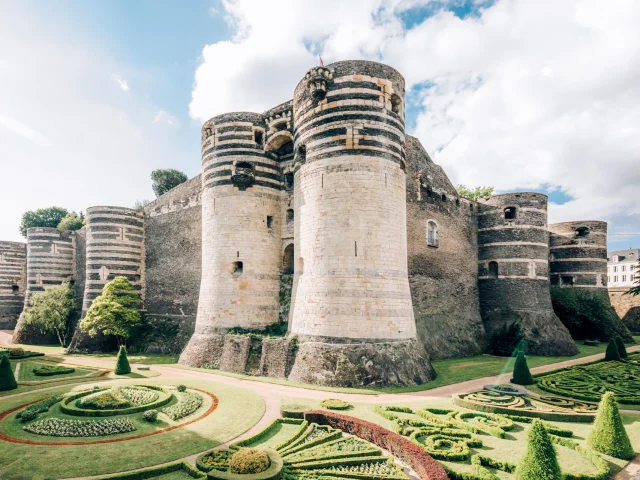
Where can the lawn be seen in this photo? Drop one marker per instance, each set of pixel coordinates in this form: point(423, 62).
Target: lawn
point(238, 410)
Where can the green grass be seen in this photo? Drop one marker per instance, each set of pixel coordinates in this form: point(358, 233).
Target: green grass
point(237, 411)
point(26, 372)
point(145, 359)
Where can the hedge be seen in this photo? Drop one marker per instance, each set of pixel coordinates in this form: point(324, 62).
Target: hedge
point(274, 472)
point(66, 407)
point(260, 435)
point(157, 471)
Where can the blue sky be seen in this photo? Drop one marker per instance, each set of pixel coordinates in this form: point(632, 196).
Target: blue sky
point(94, 94)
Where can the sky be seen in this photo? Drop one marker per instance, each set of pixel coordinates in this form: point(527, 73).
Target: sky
point(522, 95)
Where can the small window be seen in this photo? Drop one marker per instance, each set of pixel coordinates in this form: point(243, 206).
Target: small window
point(510, 213)
point(471, 207)
point(566, 281)
point(582, 232)
point(457, 202)
point(301, 155)
point(244, 165)
point(444, 197)
point(432, 234)
point(287, 260)
point(258, 137)
point(15, 289)
point(615, 278)
point(280, 126)
point(396, 104)
point(288, 180)
point(137, 278)
point(289, 215)
point(615, 269)
point(624, 278)
point(493, 269)
point(236, 268)
point(269, 221)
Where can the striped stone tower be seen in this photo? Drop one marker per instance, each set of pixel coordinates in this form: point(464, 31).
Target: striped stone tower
point(351, 299)
point(13, 282)
point(50, 261)
point(513, 271)
point(241, 234)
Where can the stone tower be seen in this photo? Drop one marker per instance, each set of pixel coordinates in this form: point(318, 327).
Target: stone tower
point(13, 282)
point(351, 297)
point(513, 271)
point(241, 234)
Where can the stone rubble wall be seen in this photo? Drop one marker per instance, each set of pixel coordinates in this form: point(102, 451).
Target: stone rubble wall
point(13, 282)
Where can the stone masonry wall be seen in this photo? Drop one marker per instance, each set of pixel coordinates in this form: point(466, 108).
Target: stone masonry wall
point(627, 307)
point(13, 282)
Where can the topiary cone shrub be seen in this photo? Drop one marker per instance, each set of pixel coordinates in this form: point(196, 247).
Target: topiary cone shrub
point(122, 362)
point(608, 435)
point(622, 350)
point(521, 373)
point(539, 460)
point(7, 380)
point(612, 352)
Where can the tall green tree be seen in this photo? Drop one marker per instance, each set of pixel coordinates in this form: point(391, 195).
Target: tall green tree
point(474, 193)
point(72, 221)
point(165, 180)
point(608, 435)
point(115, 312)
point(521, 373)
point(7, 379)
point(45, 217)
point(50, 311)
point(636, 290)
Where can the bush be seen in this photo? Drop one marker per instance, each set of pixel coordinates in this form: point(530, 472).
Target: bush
point(621, 348)
point(592, 343)
point(27, 415)
point(506, 340)
point(608, 435)
point(150, 416)
point(521, 373)
point(72, 221)
point(122, 362)
point(612, 352)
point(16, 352)
point(49, 370)
point(42, 406)
point(335, 404)
point(182, 388)
point(45, 217)
point(539, 461)
point(248, 461)
point(7, 380)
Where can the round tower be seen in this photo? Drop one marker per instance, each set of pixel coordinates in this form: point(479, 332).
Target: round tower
point(50, 261)
point(241, 237)
point(578, 255)
point(13, 282)
point(513, 271)
point(351, 283)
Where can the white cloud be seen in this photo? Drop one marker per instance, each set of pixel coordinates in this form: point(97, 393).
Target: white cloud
point(122, 83)
point(523, 95)
point(21, 129)
point(164, 117)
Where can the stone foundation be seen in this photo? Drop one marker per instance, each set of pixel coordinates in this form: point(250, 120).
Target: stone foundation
point(204, 351)
point(627, 307)
point(392, 364)
point(235, 353)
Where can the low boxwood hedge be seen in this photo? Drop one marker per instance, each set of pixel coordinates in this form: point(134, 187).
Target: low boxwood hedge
point(50, 370)
point(67, 405)
point(157, 471)
point(274, 472)
point(260, 435)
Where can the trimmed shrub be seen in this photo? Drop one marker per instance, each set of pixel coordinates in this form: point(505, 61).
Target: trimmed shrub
point(621, 348)
point(592, 343)
point(539, 460)
point(28, 415)
point(182, 388)
point(7, 380)
point(335, 404)
point(521, 373)
point(122, 362)
point(16, 352)
point(612, 352)
point(248, 461)
point(608, 435)
point(49, 370)
point(150, 416)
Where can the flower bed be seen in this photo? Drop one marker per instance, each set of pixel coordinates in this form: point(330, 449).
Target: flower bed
point(188, 403)
point(58, 427)
point(335, 404)
point(109, 402)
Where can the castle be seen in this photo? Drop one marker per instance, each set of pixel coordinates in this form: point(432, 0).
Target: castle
point(322, 213)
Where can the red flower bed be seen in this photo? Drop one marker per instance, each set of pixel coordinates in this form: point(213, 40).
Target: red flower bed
point(404, 449)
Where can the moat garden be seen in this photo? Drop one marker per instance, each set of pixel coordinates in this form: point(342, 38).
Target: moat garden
point(135, 417)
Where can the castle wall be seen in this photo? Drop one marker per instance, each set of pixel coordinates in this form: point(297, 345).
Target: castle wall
point(50, 261)
point(13, 282)
point(627, 307)
point(173, 263)
point(513, 271)
point(443, 278)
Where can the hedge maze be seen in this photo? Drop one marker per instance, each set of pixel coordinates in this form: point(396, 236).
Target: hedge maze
point(590, 382)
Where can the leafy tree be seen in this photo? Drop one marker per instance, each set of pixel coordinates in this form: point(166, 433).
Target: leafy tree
point(635, 290)
point(115, 312)
point(475, 193)
point(45, 217)
point(140, 204)
point(72, 221)
point(539, 461)
point(608, 435)
point(165, 180)
point(122, 362)
point(622, 350)
point(521, 373)
point(612, 352)
point(7, 380)
point(50, 311)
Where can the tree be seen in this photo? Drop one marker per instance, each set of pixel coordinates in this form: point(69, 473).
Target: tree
point(115, 312)
point(475, 193)
point(72, 221)
point(612, 352)
point(50, 311)
point(635, 290)
point(608, 435)
point(165, 180)
point(122, 362)
point(140, 204)
point(539, 461)
point(7, 380)
point(622, 350)
point(521, 373)
point(45, 217)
